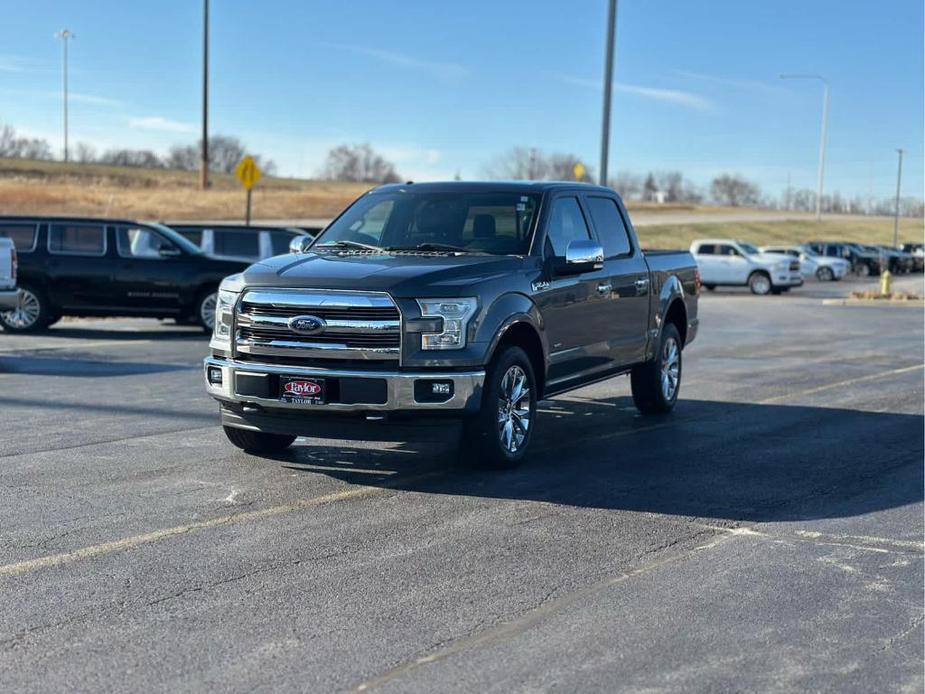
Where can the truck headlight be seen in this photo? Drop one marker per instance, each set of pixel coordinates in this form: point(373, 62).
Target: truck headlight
point(455, 313)
point(224, 308)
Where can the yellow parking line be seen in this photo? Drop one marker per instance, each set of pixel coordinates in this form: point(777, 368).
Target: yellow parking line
point(125, 543)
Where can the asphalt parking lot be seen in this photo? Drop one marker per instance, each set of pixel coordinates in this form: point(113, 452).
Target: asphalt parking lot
point(766, 536)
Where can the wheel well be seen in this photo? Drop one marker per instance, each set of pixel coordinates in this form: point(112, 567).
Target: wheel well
point(759, 272)
point(677, 315)
point(523, 335)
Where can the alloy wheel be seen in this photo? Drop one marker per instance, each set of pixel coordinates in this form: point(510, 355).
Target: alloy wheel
point(26, 313)
point(671, 368)
point(207, 310)
point(514, 409)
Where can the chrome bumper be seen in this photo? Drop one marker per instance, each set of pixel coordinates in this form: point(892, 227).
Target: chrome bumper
point(467, 387)
point(9, 298)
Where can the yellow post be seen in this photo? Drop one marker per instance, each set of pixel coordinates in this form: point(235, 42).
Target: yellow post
point(886, 283)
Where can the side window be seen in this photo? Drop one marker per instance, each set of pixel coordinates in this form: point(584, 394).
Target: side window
point(138, 242)
point(566, 223)
point(279, 241)
point(77, 239)
point(610, 227)
point(243, 244)
point(22, 235)
point(193, 235)
point(706, 249)
point(728, 251)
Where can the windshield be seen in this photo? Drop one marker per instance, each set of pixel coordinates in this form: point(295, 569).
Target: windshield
point(177, 239)
point(808, 252)
point(496, 223)
point(748, 248)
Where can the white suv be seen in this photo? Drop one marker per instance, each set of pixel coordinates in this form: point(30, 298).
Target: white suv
point(738, 263)
point(812, 264)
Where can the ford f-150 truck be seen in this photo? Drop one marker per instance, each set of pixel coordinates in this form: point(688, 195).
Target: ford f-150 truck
point(468, 300)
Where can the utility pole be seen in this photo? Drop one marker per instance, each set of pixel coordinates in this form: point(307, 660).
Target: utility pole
point(65, 35)
point(899, 180)
point(823, 135)
point(204, 172)
point(608, 87)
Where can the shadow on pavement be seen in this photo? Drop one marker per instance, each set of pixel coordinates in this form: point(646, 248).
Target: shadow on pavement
point(82, 368)
point(734, 461)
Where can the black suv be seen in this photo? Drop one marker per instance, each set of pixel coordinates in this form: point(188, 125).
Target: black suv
point(251, 243)
point(105, 267)
point(863, 262)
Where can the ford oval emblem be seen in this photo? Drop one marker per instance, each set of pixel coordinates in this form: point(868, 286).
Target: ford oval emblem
point(307, 325)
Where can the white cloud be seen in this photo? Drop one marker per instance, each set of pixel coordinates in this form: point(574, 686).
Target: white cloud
point(160, 124)
point(440, 69)
point(90, 99)
point(677, 97)
point(13, 63)
point(734, 82)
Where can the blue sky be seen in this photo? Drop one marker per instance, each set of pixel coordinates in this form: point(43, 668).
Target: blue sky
point(442, 87)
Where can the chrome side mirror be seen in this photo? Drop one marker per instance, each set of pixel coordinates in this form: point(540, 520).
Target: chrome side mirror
point(300, 244)
point(582, 256)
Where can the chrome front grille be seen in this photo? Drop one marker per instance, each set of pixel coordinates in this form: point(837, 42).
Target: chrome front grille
point(795, 266)
point(357, 325)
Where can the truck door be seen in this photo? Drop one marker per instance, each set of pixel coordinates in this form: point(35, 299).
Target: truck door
point(149, 271)
point(734, 268)
point(708, 262)
point(627, 314)
point(573, 306)
point(79, 265)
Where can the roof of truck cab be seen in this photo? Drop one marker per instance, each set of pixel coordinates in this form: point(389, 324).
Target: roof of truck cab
point(535, 187)
point(66, 218)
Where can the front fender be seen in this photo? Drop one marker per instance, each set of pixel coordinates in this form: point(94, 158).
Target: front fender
point(506, 311)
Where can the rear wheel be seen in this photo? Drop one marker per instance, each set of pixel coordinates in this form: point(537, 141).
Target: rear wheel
point(499, 436)
point(825, 274)
point(656, 384)
point(759, 283)
point(258, 441)
point(863, 269)
point(31, 313)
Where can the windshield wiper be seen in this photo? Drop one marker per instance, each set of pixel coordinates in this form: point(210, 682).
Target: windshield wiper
point(432, 247)
point(351, 244)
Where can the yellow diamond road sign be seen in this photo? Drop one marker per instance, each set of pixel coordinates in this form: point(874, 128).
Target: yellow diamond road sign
point(247, 172)
point(579, 171)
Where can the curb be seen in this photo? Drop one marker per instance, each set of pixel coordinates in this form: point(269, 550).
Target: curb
point(907, 303)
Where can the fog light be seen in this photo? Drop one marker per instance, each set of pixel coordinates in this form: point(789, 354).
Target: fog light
point(430, 390)
point(438, 388)
point(215, 376)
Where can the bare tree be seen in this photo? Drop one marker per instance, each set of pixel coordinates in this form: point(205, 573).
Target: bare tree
point(734, 190)
point(141, 158)
point(519, 164)
point(22, 147)
point(358, 163)
point(628, 185)
point(225, 153)
point(649, 188)
point(561, 167)
point(84, 153)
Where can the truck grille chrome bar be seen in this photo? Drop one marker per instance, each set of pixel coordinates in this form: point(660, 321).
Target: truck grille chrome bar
point(345, 324)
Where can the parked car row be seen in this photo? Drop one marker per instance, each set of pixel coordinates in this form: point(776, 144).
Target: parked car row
point(78, 266)
point(777, 269)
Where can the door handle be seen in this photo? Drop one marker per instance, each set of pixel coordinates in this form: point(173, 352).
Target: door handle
point(604, 288)
point(642, 284)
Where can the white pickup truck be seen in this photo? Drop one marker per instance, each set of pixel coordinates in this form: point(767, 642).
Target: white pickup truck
point(9, 295)
point(738, 263)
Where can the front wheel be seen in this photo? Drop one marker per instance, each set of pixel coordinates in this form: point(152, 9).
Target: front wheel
point(656, 384)
point(863, 270)
point(31, 313)
point(205, 309)
point(499, 436)
point(258, 441)
point(759, 283)
point(825, 274)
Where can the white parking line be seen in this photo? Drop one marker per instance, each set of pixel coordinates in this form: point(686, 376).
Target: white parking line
point(75, 345)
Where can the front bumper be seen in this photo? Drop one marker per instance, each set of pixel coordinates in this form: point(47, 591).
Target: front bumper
point(9, 298)
point(788, 279)
point(374, 391)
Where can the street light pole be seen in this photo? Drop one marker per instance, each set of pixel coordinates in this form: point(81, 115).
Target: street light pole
point(608, 88)
point(204, 171)
point(899, 180)
point(65, 36)
point(823, 135)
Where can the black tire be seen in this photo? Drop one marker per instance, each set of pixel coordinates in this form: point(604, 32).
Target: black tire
point(862, 270)
point(825, 274)
point(204, 316)
point(650, 394)
point(760, 283)
point(258, 441)
point(487, 441)
point(777, 291)
point(33, 315)
point(710, 287)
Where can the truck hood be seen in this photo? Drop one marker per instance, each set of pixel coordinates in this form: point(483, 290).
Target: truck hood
point(404, 275)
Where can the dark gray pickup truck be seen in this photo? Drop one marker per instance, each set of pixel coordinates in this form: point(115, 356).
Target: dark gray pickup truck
point(468, 300)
